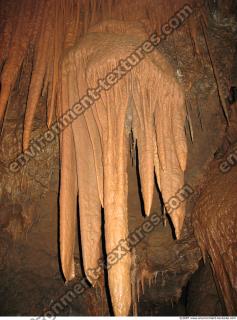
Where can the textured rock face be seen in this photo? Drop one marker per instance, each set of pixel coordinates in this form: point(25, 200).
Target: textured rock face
point(29, 211)
point(202, 297)
point(215, 225)
point(96, 145)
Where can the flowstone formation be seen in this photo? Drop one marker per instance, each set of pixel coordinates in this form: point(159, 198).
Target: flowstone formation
point(149, 102)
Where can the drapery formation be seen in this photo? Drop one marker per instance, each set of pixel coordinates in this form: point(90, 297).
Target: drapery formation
point(47, 28)
point(147, 101)
point(94, 149)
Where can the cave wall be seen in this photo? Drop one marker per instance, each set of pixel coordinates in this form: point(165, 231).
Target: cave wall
point(214, 220)
point(29, 198)
point(202, 295)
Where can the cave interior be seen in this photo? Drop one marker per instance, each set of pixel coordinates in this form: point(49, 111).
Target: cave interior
point(130, 207)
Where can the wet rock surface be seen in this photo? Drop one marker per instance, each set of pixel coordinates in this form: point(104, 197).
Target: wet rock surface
point(31, 279)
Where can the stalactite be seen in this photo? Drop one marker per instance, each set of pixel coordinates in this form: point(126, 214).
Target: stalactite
point(9, 16)
point(145, 275)
point(38, 74)
point(57, 51)
point(89, 202)
point(106, 156)
point(66, 24)
point(95, 148)
point(143, 129)
point(93, 125)
point(68, 188)
point(16, 54)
